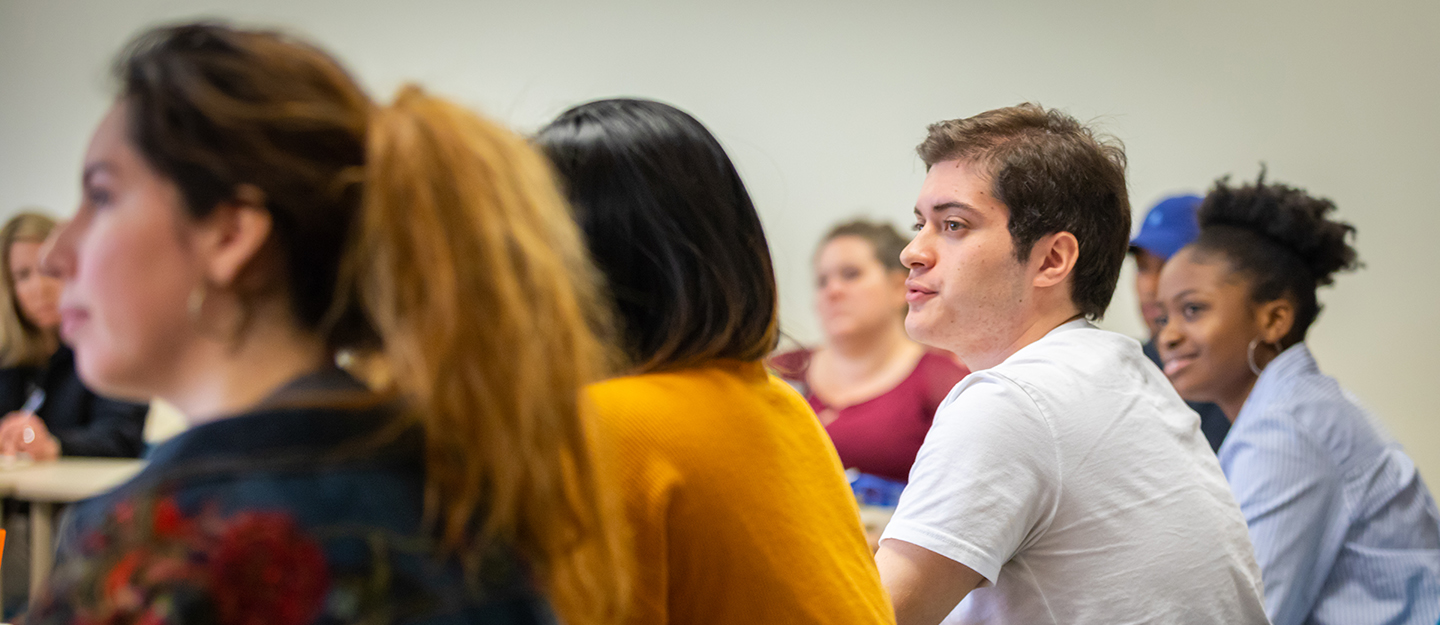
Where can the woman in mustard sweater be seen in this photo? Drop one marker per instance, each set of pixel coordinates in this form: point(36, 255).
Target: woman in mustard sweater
point(739, 508)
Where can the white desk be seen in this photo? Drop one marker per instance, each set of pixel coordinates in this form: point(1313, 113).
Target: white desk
point(65, 480)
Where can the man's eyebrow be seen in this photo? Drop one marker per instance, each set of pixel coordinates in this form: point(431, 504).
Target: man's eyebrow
point(949, 206)
point(955, 206)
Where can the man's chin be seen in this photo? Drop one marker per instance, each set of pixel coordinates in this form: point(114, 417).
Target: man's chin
point(917, 326)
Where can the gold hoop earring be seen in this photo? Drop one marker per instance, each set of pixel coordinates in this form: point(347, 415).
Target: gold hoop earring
point(195, 304)
point(1250, 355)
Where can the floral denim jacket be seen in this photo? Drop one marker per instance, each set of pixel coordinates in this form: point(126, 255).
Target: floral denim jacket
point(307, 510)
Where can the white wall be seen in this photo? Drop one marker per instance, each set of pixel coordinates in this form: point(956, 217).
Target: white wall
point(821, 104)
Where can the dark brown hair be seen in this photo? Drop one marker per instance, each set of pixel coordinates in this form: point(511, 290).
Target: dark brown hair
point(211, 108)
point(884, 240)
point(1054, 174)
point(432, 235)
point(672, 227)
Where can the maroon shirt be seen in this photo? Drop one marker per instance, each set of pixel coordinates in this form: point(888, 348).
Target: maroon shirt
point(881, 436)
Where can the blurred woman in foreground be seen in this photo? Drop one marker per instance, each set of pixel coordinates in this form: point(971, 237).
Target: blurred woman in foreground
point(1344, 529)
point(247, 211)
point(737, 503)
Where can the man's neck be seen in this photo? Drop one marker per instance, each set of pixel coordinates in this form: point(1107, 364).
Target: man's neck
point(1029, 332)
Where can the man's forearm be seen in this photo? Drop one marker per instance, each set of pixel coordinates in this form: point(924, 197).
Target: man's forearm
point(924, 586)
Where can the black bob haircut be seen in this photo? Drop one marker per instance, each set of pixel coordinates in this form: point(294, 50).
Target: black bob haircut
point(670, 224)
point(1281, 239)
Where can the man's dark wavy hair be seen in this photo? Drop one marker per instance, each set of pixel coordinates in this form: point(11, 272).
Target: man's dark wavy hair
point(1054, 174)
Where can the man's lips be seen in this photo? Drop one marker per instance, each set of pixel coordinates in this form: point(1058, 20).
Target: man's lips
point(1178, 364)
point(915, 292)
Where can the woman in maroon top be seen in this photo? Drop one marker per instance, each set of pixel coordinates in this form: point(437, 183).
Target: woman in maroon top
point(875, 390)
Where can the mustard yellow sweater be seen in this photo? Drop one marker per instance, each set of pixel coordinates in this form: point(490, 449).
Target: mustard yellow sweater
point(740, 510)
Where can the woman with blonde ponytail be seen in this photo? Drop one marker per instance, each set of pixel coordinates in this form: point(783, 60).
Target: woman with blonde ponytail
point(249, 214)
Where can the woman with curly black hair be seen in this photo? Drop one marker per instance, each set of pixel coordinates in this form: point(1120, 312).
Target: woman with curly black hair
point(1344, 529)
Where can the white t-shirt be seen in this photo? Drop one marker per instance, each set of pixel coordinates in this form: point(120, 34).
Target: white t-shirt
point(1078, 483)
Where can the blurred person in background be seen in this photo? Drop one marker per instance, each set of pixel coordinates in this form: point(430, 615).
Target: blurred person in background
point(874, 388)
point(1169, 226)
point(48, 411)
point(247, 212)
point(1343, 526)
point(738, 507)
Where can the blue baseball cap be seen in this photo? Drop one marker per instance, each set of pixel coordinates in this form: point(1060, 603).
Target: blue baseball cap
point(1169, 226)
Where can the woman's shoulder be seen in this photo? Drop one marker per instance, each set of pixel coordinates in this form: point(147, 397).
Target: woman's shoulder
point(1309, 409)
point(12, 386)
point(716, 379)
point(284, 456)
point(1292, 388)
point(338, 567)
point(716, 401)
point(18, 371)
point(338, 489)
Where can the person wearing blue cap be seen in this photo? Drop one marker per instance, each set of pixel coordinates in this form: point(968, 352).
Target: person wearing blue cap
point(1169, 226)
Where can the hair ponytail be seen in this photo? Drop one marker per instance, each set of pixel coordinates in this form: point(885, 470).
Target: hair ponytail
point(467, 264)
point(437, 246)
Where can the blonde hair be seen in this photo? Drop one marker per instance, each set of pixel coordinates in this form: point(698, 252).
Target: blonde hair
point(433, 241)
point(471, 270)
point(21, 343)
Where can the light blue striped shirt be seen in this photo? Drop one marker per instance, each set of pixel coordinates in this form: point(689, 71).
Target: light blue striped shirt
point(1345, 531)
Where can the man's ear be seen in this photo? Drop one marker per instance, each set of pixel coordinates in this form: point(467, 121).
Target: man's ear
point(1275, 319)
point(233, 234)
point(1054, 257)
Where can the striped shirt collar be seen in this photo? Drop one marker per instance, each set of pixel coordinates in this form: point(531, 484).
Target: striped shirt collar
point(1292, 362)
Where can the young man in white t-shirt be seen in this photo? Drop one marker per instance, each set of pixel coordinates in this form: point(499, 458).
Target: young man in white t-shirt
point(1063, 481)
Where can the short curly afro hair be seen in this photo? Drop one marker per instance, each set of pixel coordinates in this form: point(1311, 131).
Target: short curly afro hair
point(1282, 239)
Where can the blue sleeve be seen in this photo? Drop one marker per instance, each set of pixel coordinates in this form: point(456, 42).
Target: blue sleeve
point(1290, 493)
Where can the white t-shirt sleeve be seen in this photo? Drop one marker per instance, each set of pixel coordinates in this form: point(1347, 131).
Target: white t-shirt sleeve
point(986, 481)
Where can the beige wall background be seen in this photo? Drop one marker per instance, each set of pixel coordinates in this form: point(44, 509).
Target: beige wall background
point(821, 104)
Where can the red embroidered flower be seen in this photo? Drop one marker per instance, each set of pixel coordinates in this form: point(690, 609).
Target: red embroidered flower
point(168, 520)
point(119, 576)
point(124, 512)
point(264, 571)
point(253, 568)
